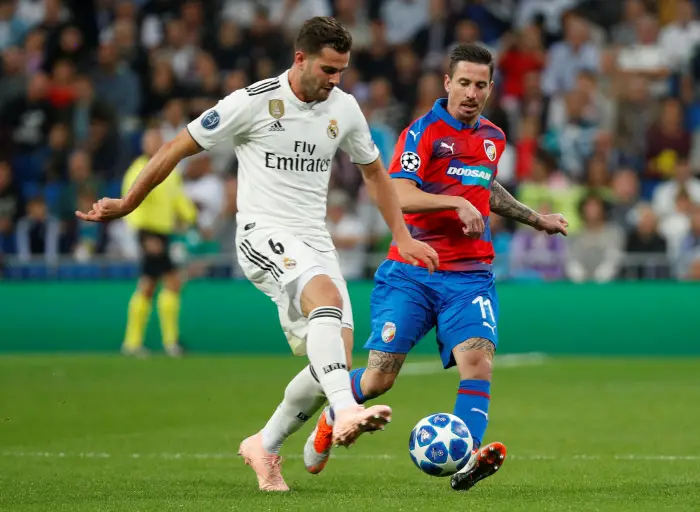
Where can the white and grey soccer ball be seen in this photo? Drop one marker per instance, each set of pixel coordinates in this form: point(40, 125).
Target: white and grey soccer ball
point(440, 444)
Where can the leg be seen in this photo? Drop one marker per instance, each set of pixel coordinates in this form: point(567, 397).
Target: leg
point(467, 336)
point(367, 383)
point(474, 360)
point(378, 377)
point(169, 313)
point(153, 266)
point(303, 397)
point(137, 317)
point(321, 302)
point(402, 312)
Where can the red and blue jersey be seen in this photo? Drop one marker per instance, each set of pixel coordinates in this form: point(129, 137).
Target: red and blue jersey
point(445, 156)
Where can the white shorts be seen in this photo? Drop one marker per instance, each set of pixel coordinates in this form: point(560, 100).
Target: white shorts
point(280, 264)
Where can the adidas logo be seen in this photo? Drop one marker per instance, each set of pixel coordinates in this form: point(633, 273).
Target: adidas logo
point(276, 127)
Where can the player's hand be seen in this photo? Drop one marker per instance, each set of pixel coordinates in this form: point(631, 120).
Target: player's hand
point(472, 219)
point(552, 223)
point(105, 210)
point(414, 251)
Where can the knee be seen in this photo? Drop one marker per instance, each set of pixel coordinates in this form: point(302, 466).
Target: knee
point(376, 383)
point(475, 364)
point(172, 282)
point(147, 287)
point(320, 292)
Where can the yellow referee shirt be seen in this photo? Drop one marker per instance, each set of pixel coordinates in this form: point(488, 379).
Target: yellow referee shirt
point(163, 207)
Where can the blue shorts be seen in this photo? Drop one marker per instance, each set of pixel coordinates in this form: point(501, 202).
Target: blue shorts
point(407, 302)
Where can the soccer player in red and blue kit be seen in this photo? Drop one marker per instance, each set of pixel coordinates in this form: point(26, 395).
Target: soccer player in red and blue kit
point(444, 169)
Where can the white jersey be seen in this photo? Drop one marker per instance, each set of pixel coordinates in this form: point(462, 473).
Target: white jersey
point(285, 148)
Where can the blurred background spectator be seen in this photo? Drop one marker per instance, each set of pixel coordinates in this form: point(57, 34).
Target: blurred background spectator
point(600, 101)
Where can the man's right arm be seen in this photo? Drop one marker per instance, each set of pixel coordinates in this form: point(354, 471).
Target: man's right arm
point(414, 200)
point(160, 166)
point(230, 116)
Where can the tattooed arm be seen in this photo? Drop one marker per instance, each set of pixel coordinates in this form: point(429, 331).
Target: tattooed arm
point(505, 205)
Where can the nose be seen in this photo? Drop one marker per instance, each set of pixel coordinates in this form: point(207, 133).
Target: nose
point(335, 78)
point(470, 92)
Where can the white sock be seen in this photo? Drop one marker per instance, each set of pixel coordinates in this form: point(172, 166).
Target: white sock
point(302, 398)
point(324, 345)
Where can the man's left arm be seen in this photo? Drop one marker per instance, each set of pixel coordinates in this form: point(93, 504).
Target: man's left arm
point(358, 144)
point(383, 194)
point(504, 204)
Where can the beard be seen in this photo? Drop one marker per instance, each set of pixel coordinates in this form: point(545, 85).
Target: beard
point(315, 89)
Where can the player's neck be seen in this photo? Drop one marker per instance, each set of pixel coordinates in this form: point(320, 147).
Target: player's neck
point(295, 84)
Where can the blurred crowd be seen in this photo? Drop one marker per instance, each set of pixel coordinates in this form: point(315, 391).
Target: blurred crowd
point(599, 100)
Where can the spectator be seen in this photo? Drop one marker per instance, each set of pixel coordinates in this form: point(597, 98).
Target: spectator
point(625, 195)
point(679, 38)
point(431, 40)
point(230, 51)
point(38, 233)
point(13, 81)
point(637, 112)
point(646, 249)
point(665, 194)
point(25, 122)
point(676, 224)
point(349, 235)
point(689, 251)
point(404, 19)
point(11, 208)
point(535, 254)
point(570, 56)
point(521, 53)
point(501, 239)
point(646, 57)
point(206, 190)
point(595, 253)
point(12, 27)
point(667, 141)
point(624, 33)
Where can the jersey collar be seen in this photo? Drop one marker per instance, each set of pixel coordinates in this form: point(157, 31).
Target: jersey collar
point(440, 109)
point(289, 94)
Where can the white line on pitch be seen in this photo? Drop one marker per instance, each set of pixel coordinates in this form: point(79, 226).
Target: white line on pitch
point(504, 361)
point(233, 455)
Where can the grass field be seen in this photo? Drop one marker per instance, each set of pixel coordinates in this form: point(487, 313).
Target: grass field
point(101, 433)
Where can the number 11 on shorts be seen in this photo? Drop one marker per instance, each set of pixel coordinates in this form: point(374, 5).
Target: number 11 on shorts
point(485, 305)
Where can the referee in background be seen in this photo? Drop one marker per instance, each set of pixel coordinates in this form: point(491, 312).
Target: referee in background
point(164, 210)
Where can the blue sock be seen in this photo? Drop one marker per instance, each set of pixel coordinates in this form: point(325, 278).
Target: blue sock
point(472, 407)
point(355, 378)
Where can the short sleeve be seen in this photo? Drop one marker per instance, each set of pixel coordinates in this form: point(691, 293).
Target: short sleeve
point(412, 154)
point(357, 142)
point(229, 117)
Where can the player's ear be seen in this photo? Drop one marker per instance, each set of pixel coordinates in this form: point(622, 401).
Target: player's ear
point(448, 84)
point(299, 58)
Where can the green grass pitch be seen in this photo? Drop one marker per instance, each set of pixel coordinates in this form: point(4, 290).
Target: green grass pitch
point(102, 433)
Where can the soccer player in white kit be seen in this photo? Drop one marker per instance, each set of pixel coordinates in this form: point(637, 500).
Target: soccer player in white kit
point(285, 131)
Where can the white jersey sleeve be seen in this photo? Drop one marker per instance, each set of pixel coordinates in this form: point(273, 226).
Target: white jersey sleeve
point(228, 118)
point(357, 142)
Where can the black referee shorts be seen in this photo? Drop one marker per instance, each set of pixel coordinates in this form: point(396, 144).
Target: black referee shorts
point(155, 254)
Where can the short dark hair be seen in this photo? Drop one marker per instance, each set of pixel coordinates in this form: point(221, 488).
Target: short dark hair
point(323, 32)
point(471, 53)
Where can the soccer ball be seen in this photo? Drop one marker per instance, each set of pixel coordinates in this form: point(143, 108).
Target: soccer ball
point(440, 444)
